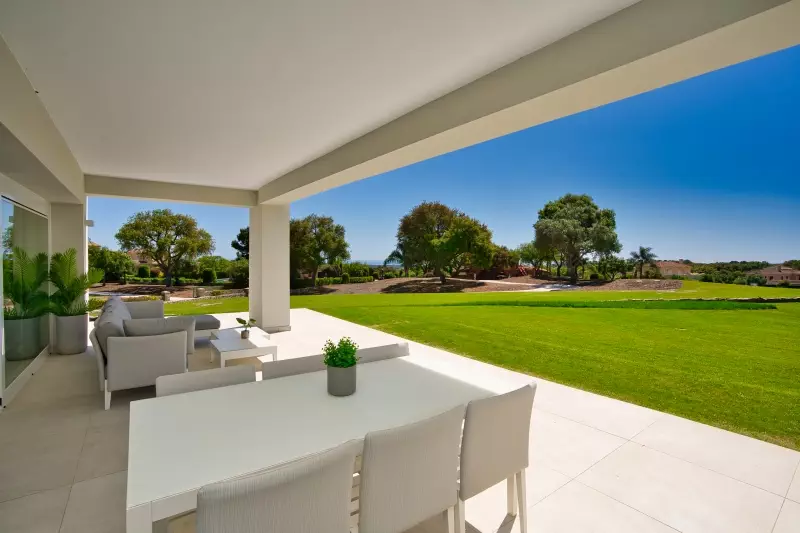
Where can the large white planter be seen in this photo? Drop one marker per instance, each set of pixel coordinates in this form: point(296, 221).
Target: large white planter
point(71, 334)
point(23, 338)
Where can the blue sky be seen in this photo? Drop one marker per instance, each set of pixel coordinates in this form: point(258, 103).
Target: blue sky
point(707, 169)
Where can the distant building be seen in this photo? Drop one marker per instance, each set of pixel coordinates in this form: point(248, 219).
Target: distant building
point(139, 258)
point(673, 268)
point(778, 273)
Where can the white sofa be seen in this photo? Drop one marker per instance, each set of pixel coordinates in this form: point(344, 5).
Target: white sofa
point(134, 344)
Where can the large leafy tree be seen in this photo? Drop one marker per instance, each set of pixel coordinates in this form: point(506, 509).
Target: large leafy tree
point(575, 227)
point(437, 237)
point(242, 243)
point(641, 257)
point(610, 265)
point(165, 237)
point(314, 241)
point(217, 263)
point(113, 263)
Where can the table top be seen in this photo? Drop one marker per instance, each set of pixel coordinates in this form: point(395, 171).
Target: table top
point(231, 341)
point(181, 442)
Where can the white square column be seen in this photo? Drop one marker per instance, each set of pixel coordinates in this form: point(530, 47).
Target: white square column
point(269, 267)
point(68, 230)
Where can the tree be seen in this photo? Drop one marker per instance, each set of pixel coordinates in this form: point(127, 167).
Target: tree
point(165, 237)
point(610, 265)
point(217, 263)
point(529, 254)
point(792, 263)
point(437, 237)
point(242, 243)
point(399, 257)
point(575, 226)
point(114, 264)
point(314, 241)
point(641, 257)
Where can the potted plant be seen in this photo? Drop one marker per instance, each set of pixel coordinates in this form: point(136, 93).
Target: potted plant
point(68, 301)
point(24, 279)
point(341, 361)
point(246, 325)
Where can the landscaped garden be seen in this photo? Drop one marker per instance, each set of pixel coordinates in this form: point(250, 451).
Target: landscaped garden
point(731, 366)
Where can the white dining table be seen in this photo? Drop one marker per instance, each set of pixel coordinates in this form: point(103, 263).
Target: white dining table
point(180, 443)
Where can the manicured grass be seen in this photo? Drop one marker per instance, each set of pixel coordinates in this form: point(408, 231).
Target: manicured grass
point(702, 360)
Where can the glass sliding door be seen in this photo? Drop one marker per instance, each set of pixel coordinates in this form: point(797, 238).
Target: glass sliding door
point(26, 326)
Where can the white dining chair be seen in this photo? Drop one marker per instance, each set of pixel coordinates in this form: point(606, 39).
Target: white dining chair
point(410, 474)
point(204, 379)
point(494, 447)
point(310, 495)
point(381, 353)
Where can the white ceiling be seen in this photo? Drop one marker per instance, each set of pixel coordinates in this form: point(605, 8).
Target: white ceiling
point(236, 93)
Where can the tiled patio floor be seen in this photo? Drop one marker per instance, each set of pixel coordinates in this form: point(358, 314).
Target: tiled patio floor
point(598, 464)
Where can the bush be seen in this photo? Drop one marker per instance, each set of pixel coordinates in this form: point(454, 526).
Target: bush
point(356, 269)
point(594, 276)
point(209, 276)
point(345, 278)
point(741, 280)
point(328, 281)
point(240, 273)
point(341, 355)
point(677, 276)
point(327, 271)
point(785, 283)
point(143, 271)
point(389, 275)
point(148, 298)
point(756, 279)
point(361, 279)
point(301, 283)
point(95, 304)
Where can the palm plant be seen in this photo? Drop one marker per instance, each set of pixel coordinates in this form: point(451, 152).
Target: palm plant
point(399, 257)
point(24, 280)
point(643, 256)
point(70, 287)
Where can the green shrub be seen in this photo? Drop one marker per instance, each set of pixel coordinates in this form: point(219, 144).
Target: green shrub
point(143, 271)
point(95, 304)
point(677, 276)
point(147, 298)
point(756, 279)
point(341, 355)
point(361, 279)
point(209, 276)
point(594, 276)
point(784, 283)
point(240, 273)
point(741, 280)
point(328, 281)
point(345, 278)
point(301, 283)
point(388, 275)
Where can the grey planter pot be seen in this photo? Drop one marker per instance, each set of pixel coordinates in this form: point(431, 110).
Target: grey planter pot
point(24, 338)
point(71, 334)
point(342, 381)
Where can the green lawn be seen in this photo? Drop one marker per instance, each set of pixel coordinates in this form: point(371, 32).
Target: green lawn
point(733, 368)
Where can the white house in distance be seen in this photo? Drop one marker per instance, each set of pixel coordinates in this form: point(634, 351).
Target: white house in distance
point(270, 102)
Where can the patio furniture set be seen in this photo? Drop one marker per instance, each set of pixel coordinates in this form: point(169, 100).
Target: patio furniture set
point(134, 344)
point(409, 445)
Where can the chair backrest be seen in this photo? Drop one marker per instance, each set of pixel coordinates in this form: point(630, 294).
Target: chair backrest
point(313, 363)
point(310, 495)
point(204, 379)
point(409, 473)
point(379, 353)
point(291, 367)
point(496, 438)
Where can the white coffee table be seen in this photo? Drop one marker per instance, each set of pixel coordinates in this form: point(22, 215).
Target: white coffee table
point(229, 344)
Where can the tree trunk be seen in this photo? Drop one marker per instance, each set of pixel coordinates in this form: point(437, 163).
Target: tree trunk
point(314, 276)
point(573, 275)
point(405, 269)
point(168, 278)
point(442, 277)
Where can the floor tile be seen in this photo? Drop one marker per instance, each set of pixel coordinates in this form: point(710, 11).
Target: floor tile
point(487, 511)
point(105, 451)
point(578, 508)
point(607, 414)
point(687, 497)
point(758, 463)
point(566, 446)
point(794, 489)
point(38, 513)
point(39, 461)
point(789, 519)
point(97, 506)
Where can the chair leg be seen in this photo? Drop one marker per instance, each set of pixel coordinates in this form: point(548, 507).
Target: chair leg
point(108, 398)
point(461, 521)
point(451, 525)
point(511, 496)
point(522, 498)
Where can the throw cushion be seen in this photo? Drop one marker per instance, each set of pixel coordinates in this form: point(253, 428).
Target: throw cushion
point(108, 324)
point(145, 327)
point(117, 306)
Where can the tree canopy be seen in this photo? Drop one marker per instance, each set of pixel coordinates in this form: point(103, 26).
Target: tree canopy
point(641, 257)
point(575, 226)
point(314, 241)
point(242, 243)
point(114, 264)
point(439, 238)
point(165, 237)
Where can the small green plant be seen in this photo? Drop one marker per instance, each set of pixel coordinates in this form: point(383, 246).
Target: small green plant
point(341, 355)
point(345, 278)
point(246, 324)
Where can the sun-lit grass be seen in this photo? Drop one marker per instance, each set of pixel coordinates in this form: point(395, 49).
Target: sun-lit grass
point(708, 361)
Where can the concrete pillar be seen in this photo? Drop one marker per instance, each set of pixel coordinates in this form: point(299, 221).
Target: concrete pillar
point(269, 267)
point(68, 230)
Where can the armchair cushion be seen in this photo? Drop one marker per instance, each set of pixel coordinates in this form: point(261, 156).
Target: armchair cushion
point(110, 324)
point(144, 327)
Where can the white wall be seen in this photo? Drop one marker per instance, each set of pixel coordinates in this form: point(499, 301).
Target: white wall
point(269, 266)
